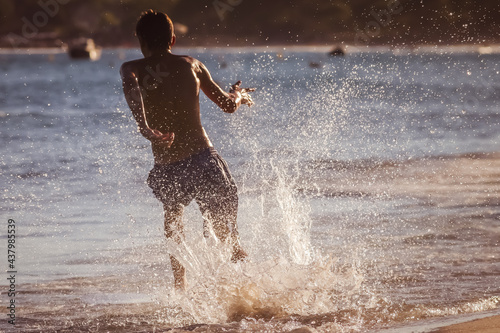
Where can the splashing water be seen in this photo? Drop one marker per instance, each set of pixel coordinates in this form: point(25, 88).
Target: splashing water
point(284, 274)
point(220, 292)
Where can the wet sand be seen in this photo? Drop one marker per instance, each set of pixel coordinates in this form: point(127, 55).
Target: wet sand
point(484, 325)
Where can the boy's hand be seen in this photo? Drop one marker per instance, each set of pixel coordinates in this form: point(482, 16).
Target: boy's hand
point(245, 97)
point(155, 136)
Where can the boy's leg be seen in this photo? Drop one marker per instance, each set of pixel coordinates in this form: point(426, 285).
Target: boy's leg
point(175, 230)
point(217, 197)
point(221, 211)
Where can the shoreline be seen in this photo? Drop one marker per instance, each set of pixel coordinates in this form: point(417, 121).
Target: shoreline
point(478, 322)
point(397, 50)
point(485, 325)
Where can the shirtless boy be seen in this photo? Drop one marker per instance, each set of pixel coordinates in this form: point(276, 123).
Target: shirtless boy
point(162, 91)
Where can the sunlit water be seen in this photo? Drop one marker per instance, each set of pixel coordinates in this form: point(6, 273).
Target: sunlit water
point(369, 195)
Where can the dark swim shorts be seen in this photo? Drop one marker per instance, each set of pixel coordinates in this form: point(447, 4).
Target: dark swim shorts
point(204, 177)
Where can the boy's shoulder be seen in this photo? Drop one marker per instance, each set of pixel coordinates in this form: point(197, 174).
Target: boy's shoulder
point(130, 66)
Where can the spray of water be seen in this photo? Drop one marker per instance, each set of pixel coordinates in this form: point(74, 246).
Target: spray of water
point(284, 275)
point(295, 222)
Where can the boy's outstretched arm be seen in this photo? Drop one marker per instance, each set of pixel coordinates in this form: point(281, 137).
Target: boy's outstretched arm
point(228, 102)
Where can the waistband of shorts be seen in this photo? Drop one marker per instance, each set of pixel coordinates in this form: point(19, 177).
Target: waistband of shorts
point(204, 151)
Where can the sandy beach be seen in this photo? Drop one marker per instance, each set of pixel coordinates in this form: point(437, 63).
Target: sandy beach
point(484, 325)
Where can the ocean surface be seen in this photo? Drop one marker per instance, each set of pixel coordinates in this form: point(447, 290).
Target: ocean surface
point(369, 195)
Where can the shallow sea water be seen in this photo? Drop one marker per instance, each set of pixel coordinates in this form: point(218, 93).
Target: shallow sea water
point(369, 195)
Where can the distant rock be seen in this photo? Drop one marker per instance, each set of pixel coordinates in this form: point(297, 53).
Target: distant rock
point(336, 51)
point(84, 48)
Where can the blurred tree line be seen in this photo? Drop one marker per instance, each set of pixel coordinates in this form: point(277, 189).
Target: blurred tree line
point(260, 22)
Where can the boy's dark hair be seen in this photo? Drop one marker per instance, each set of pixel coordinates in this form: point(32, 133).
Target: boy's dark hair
point(156, 29)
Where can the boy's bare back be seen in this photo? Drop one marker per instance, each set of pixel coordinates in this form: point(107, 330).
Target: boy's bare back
point(170, 88)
